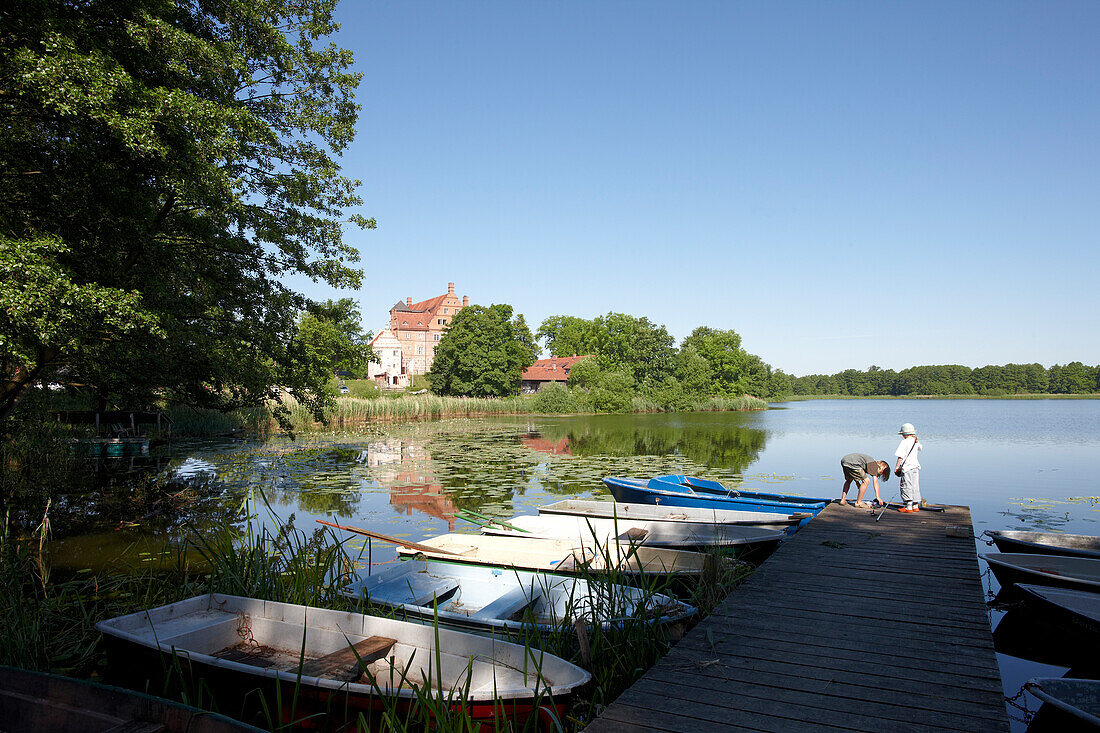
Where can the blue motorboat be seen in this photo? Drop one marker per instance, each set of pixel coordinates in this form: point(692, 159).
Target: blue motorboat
point(668, 493)
point(714, 487)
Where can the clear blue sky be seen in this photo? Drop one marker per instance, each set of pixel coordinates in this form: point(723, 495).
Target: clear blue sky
point(843, 184)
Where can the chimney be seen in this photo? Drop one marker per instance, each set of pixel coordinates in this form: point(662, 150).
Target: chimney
point(450, 288)
point(408, 302)
point(465, 300)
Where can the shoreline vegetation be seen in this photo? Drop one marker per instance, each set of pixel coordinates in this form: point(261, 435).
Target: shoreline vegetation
point(353, 412)
point(1021, 396)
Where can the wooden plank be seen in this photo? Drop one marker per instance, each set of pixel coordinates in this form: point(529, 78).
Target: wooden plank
point(852, 639)
point(825, 676)
point(909, 709)
point(865, 662)
point(346, 664)
point(701, 704)
point(836, 604)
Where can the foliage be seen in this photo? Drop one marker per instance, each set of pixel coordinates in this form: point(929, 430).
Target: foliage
point(330, 338)
point(567, 335)
point(482, 353)
point(620, 341)
point(954, 380)
point(554, 398)
point(167, 166)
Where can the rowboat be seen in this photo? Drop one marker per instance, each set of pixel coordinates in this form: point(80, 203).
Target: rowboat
point(1077, 609)
point(657, 513)
point(1076, 697)
point(1046, 543)
point(335, 664)
point(715, 487)
point(35, 701)
point(497, 600)
point(562, 556)
point(675, 535)
point(640, 491)
point(1077, 573)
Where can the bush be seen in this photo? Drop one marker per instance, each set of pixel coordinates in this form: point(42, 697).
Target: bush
point(554, 398)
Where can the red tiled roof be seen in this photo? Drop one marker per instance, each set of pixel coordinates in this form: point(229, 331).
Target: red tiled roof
point(551, 370)
point(429, 305)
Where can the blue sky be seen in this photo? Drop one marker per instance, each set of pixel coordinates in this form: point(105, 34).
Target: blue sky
point(843, 184)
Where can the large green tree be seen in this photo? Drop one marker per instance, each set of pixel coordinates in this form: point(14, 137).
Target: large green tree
point(165, 166)
point(331, 339)
point(482, 353)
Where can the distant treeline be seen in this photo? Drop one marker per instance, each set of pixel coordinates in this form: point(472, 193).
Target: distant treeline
point(953, 379)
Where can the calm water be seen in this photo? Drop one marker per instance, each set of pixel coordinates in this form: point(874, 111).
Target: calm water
point(1017, 464)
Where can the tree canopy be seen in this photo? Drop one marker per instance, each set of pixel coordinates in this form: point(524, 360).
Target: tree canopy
point(483, 353)
point(330, 338)
point(165, 167)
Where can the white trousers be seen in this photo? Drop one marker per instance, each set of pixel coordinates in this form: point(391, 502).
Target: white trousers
point(910, 486)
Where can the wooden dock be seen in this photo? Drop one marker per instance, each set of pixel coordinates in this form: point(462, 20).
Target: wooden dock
point(852, 624)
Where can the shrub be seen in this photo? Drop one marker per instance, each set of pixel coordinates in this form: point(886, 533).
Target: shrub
point(554, 398)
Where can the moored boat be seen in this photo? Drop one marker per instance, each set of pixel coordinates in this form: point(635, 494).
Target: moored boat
point(499, 600)
point(1045, 543)
point(333, 664)
point(641, 491)
point(715, 487)
point(562, 556)
point(1078, 698)
point(657, 513)
point(1075, 609)
point(36, 701)
point(681, 536)
point(1078, 573)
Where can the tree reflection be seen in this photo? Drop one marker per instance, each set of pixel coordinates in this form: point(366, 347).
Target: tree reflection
point(717, 444)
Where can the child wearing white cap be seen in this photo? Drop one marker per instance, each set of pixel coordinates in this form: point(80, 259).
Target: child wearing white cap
point(908, 468)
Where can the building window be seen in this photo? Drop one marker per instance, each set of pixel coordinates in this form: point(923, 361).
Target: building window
point(439, 321)
point(420, 349)
point(437, 337)
point(408, 336)
point(444, 311)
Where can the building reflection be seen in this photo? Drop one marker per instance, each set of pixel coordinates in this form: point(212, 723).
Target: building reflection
point(405, 468)
point(536, 442)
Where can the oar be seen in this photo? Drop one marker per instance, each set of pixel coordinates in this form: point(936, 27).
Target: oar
point(486, 521)
point(387, 538)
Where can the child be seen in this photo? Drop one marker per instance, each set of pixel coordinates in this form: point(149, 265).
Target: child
point(908, 467)
point(862, 469)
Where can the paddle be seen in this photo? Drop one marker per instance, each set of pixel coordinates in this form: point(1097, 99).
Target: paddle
point(387, 538)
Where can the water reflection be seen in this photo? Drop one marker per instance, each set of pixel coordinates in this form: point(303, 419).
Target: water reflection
point(716, 444)
point(405, 467)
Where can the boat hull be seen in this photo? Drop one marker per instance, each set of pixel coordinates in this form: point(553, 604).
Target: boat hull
point(1046, 543)
point(627, 491)
point(1071, 609)
point(1057, 571)
point(714, 487)
point(242, 654)
point(646, 512)
point(509, 602)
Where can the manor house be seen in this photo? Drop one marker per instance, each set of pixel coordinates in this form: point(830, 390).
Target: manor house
point(407, 344)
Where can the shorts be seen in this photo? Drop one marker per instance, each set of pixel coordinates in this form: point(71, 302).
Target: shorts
point(853, 473)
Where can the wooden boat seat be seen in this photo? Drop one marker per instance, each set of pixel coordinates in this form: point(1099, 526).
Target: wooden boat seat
point(417, 589)
point(347, 664)
point(509, 605)
point(634, 534)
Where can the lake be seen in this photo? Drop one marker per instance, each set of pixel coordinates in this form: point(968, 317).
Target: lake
point(1017, 464)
